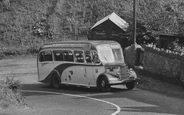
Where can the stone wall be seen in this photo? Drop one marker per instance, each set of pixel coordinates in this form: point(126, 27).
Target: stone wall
point(167, 64)
point(156, 62)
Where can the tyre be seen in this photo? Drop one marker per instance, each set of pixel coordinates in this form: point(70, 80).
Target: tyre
point(103, 84)
point(56, 82)
point(130, 85)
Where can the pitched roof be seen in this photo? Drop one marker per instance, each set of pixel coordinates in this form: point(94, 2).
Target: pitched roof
point(113, 17)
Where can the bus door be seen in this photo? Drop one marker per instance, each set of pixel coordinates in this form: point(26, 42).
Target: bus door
point(45, 64)
point(89, 68)
point(80, 68)
point(97, 69)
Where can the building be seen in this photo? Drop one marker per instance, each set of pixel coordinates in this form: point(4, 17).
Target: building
point(111, 27)
point(166, 39)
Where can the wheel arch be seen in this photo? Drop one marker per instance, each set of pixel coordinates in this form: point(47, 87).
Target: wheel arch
point(133, 74)
point(53, 73)
point(101, 76)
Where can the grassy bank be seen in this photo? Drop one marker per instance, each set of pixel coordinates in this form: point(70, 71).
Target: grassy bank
point(11, 96)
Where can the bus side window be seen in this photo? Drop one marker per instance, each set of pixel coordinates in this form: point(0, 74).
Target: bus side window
point(68, 56)
point(79, 56)
point(46, 56)
point(88, 56)
point(58, 55)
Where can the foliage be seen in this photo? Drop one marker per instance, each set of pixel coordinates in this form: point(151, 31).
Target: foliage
point(175, 52)
point(174, 46)
point(21, 22)
point(41, 29)
point(11, 94)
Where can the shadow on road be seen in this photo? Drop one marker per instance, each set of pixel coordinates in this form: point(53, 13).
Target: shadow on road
point(65, 89)
point(148, 103)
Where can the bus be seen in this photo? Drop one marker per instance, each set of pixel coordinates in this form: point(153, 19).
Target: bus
point(97, 64)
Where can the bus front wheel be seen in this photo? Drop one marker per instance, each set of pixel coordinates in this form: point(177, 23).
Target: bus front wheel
point(130, 85)
point(56, 82)
point(103, 84)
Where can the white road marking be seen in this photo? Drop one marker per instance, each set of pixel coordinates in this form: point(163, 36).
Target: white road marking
point(115, 113)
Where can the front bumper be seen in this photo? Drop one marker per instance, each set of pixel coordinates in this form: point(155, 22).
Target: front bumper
point(115, 82)
point(131, 78)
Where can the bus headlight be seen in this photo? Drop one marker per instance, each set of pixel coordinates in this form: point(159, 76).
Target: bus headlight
point(130, 70)
point(118, 72)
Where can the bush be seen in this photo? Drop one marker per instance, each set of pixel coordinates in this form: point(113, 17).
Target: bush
point(32, 50)
point(15, 50)
point(1, 55)
point(11, 94)
point(175, 51)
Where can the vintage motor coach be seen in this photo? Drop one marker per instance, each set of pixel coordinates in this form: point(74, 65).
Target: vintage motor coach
point(84, 63)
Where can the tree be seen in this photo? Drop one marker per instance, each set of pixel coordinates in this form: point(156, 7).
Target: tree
point(161, 16)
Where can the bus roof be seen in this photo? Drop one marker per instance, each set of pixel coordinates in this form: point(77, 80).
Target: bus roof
point(87, 44)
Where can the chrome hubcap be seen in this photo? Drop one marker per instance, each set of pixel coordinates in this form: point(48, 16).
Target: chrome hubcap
point(103, 83)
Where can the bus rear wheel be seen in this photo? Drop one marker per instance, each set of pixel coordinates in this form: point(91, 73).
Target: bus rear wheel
point(103, 84)
point(130, 85)
point(56, 82)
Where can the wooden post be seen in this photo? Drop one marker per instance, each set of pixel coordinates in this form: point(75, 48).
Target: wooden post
point(134, 20)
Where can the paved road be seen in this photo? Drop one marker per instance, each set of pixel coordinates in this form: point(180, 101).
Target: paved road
point(44, 100)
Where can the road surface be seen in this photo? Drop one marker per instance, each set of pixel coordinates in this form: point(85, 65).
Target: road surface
point(69, 100)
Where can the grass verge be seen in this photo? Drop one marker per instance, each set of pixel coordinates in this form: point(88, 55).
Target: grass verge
point(156, 83)
point(10, 95)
